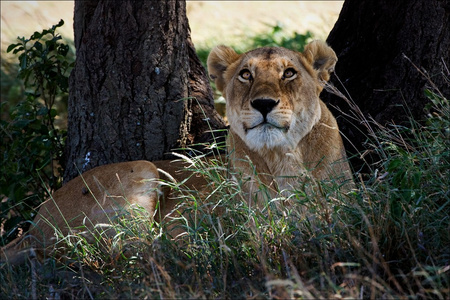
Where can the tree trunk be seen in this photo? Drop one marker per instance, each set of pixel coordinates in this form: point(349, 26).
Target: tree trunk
point(377, 43)
point(130, 90)
point(203, 124)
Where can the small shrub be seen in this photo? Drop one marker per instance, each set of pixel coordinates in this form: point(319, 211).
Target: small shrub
point(277, 37)
point(32, 141)
point(414, 181)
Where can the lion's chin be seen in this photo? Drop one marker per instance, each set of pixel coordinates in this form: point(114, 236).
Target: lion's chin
point(265, 137)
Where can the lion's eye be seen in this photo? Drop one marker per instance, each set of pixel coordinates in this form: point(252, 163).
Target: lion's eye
point(289, 73)
point(245, 74)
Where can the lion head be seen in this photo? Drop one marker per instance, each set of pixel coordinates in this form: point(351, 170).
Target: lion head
point(276, 116)
point(272, 93)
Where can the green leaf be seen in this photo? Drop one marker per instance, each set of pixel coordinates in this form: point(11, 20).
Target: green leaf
point(53, 113)
point(63, 49)
point(416, 179)
point(12, 46)
point(394, 164)
point(22, 123)
point(38, 46)
point(36, 35)
point(396, 208)
point(17, 50)
point(42, 111)
point(63, 83)
point(46, 31)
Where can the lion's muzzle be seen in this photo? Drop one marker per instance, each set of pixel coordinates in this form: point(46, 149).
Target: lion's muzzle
point(264, 106)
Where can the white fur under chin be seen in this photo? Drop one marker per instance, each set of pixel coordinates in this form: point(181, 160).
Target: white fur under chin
point(270, 137)
point(265, 136)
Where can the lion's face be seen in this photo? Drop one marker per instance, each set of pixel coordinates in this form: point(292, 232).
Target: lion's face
point(272, 93)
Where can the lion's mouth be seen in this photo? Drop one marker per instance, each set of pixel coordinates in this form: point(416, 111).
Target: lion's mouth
point(266, 125)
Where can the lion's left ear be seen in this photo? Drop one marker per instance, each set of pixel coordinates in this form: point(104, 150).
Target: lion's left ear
point(321, 57)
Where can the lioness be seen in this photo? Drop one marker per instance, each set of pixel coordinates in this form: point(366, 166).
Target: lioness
point(277, 120)
point(279, 129)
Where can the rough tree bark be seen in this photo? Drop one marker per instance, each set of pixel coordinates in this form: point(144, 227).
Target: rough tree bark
point(130, 91)
point(376, 41)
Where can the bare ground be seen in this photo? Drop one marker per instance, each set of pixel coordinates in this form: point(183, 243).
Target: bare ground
point(211, 22)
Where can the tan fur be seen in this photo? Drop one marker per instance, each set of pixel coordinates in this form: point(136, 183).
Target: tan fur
point(300, 135)
point(96, 199)
point(302, 138)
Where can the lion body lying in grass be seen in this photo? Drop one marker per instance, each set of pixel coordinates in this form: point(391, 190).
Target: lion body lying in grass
point(279, 131)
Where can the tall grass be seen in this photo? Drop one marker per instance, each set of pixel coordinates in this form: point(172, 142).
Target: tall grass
point(387, 239)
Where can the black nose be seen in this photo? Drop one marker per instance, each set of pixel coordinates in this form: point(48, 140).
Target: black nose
point(264, 106)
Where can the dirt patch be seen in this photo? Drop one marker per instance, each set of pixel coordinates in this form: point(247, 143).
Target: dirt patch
point(211, 22)
point(232, 21)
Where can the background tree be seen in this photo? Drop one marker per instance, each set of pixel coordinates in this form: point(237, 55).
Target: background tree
point(379, 45)
point(132, 88)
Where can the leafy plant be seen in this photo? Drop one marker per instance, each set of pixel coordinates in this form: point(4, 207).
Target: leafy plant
point(32, 141)
point(277, 37)
point(415, 179)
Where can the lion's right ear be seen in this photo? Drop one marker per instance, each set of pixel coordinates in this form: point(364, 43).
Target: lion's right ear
point(220, 58)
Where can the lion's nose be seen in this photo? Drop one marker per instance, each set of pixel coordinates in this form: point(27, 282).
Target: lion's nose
point(264, 106)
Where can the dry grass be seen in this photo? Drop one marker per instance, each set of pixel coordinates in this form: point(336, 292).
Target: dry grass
point(388, 239)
